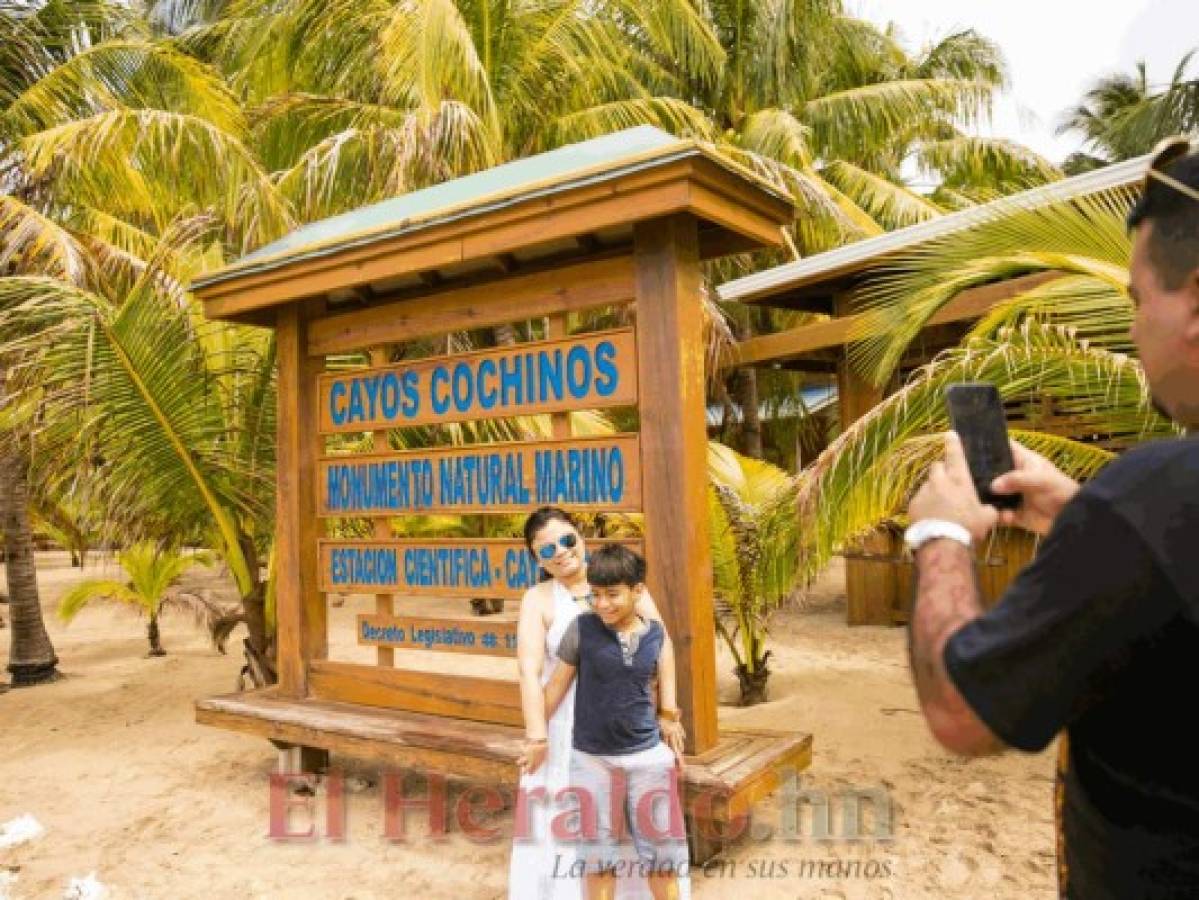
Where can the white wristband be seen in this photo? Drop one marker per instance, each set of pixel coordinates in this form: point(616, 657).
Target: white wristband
point(920, 533)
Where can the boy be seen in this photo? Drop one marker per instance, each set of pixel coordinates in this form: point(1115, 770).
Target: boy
point(617, 740)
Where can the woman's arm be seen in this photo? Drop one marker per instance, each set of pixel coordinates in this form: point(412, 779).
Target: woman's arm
point(530, 659)
point(557, 686)
point(647, 608)
point(668, 707)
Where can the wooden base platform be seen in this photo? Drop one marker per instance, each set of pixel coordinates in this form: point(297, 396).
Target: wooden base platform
point(720, 785)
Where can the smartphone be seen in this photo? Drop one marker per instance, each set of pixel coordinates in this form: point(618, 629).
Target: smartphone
point(976, 412)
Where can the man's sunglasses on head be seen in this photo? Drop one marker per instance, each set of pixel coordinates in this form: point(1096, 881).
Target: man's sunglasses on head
point(566, 542)
point(1166, 152)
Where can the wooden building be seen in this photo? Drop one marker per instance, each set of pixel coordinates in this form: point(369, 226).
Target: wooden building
point(623, 219)
point(878, 579)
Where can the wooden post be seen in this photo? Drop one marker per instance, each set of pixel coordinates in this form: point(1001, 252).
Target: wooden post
point(300, 607)
point(381, 528)
point(871, 585)
point(674, 450)
point(556, 328)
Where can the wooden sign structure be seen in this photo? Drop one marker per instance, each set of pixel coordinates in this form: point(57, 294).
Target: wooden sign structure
point(623, 219)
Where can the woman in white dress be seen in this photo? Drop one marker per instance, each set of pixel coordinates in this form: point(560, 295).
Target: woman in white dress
point(541, 867)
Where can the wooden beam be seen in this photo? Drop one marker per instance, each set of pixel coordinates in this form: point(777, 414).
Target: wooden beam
point(791, 343)
point(460, 696)
point(670, 353)
point(969, 304)
point(579, 286)
point(300, 607)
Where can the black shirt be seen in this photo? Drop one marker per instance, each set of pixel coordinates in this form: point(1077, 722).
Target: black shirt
point(615, 712)
point(1100, 635)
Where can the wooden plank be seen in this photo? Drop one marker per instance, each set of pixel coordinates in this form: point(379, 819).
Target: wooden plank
point(585, 474)
point(499, 568)
point(484, 637)
point(417, 251)
point(969, 304)
point(576, 287)
point(619, 207)
point(670, 351)
point(459, 696)
point(381, 528)
point(301, 612)
point(555, 326)
point(735, 215)
point(474, 749)
point(591, 371)
point(791, 343)
point(244, 296)
point(404, 740)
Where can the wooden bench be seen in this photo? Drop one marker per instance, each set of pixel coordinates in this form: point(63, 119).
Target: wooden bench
point(719, 786)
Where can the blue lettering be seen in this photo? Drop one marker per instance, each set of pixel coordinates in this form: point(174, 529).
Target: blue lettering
point(487, 396)
point(578, 382)
point(389, 396)
point(464, 387)
point(551, 375)
point(411, 383)
point(608, 375)
point(337, 407)
point(510, 383)
point(440, 377)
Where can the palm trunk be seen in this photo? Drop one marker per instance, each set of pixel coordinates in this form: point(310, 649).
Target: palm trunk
point(153, 636)
point(31, 658)
point(746, 384)
point(259, 646)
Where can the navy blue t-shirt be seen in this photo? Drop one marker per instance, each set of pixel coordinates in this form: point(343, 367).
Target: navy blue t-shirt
point(615, 712)
point(1099, 635)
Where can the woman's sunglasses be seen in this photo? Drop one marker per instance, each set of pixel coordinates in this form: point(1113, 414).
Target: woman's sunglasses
point(1166, 152)
point(566, 542)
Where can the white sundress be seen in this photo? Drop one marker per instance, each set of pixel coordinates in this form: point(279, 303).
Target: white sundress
point(531, 874)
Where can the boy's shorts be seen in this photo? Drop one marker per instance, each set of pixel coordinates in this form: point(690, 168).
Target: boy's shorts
point(651, 810)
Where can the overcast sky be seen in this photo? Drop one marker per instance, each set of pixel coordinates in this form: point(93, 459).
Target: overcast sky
point(1054, 49)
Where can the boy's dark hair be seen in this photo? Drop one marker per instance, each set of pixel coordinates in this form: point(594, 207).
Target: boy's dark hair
point(1174, 243)
point(615, 564)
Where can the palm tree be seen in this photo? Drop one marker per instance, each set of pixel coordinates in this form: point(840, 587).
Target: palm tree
point(1124, 115)
point(755, 559)
point(839, 113)
point(97, 121)
point(32, 659)
point(152, 573)
point(1059, 352)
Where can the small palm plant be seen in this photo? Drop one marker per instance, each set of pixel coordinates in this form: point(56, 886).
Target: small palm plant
point(755, 557)
point(153, 573)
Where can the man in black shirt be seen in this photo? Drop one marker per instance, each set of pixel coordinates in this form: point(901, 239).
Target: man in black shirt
point(1099, 635)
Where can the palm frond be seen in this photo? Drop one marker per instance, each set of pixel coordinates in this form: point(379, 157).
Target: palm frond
point(1084, 236)
point(32, 243)
point(890, 205)
point(124, 74)
point(973, 160)
point(80, 595)
point(867, 474)
point(127, 163)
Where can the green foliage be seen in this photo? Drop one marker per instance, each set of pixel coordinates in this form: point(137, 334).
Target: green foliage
point(755, 544)
point(152, 573)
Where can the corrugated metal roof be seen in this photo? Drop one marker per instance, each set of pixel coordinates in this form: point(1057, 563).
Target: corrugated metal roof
point(861, 255)
point(573, 165)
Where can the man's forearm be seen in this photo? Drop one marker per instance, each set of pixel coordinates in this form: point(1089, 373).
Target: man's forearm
point(946, 599)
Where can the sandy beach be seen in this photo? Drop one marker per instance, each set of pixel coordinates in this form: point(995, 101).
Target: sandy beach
point(111, 763)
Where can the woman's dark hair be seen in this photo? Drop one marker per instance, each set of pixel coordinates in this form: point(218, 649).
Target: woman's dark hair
point(539, 518)
point(615, 564)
